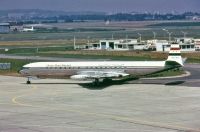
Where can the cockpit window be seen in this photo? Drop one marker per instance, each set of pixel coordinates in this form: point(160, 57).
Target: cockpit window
point(26, 68)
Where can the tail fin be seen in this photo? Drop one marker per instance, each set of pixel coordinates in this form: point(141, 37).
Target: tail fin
point(174, 59)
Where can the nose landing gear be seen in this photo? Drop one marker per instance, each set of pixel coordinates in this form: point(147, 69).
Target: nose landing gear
point(28, 81)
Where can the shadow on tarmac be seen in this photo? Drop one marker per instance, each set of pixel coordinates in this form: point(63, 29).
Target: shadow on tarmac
point(175, 83)
point(105, 84)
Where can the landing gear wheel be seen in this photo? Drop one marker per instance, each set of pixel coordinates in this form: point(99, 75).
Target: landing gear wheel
point(28, 82)
point(96, 82)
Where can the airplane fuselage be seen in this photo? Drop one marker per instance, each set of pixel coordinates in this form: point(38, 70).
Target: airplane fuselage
point(67, 69)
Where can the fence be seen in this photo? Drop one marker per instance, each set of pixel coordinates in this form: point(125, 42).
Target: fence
point(5, 66)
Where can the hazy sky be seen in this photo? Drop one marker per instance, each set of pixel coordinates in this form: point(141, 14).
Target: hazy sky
point(104, 5)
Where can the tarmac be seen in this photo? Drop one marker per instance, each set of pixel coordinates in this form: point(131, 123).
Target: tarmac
point(190, 80)
point(52, 105)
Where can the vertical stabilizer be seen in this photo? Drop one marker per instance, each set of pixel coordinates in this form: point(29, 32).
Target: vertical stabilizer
point(174, 58)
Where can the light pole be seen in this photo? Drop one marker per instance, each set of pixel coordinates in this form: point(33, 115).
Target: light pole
point(164, 31)
point(184, 34)
point(74, 42)
point(140, 36)
point(169, 33)
point(126, 37)
point(154, 35)
point(88, 39)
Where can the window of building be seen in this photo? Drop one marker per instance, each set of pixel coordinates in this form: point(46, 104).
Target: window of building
point(111, 45)
point(103, 45)
point(183, 47)
point(120, 46)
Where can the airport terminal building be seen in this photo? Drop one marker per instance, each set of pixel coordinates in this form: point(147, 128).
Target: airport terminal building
point(120, 44)
point(186, 45)
point(4, 27)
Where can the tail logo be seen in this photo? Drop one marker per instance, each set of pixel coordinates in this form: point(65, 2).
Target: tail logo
point(175, 55)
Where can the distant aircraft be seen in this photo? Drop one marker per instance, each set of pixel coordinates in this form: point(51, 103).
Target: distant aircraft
point(101, 70)
point(28, 29)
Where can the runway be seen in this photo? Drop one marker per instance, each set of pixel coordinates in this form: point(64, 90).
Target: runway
point(40, 58)
point(63, 105)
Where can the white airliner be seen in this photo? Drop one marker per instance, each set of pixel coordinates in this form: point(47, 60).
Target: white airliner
point(28, 29)
point(101, 70)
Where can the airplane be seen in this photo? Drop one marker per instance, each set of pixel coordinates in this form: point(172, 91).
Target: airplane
point(101, 70)
point(28, 29)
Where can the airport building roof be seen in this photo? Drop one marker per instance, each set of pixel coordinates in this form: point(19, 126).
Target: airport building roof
point(4, 24)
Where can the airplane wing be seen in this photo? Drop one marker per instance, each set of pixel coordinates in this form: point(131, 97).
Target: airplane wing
point(98, 74)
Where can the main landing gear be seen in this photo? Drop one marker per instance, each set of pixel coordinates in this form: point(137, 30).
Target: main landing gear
point(96, 82)
point(105, 81)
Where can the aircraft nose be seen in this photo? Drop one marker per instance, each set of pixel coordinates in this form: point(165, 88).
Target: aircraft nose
point(23, 71)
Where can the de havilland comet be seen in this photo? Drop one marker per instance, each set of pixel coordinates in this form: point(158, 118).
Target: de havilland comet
point(101, 70)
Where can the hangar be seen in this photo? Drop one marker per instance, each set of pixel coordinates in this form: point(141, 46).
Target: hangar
point(4, 27)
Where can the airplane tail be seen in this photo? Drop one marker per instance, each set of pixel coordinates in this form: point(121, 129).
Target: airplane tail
point(174, 59)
